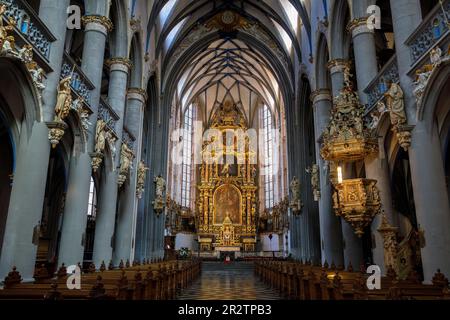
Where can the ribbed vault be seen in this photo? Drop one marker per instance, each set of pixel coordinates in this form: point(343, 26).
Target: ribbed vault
point(248, 59)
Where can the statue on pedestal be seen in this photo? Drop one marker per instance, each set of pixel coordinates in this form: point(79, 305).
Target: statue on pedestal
point(159, 203)
point(64, 99)
point(100, 136)
point(315, 184)
point(396, 105)
point(141, 176)
point(296, 203)
point(126, 156)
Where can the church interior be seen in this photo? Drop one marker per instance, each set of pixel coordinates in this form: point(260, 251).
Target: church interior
point(224, 149)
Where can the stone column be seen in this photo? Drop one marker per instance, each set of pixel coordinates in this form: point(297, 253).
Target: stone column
point(126, 222)
point(366, 68)
point(157, 154)
point(104, 225)
point(406, 17)
point(365, 55)
point(330, 229)
point(431, 198)
point(353, 250)
point(27, 197)
point(336, 67)
point(427, 171)
point(377, 168)
point(75, 213)
point(54, 13)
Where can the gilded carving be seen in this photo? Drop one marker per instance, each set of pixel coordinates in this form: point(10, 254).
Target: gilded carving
point(159, 202)
point(126, 158)
point(141, 177)
point(296, 202)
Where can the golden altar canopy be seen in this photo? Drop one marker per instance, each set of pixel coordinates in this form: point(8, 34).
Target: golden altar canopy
point(226, 198)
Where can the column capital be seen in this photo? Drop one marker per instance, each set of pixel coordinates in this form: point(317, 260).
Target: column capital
point(337, 65)
point(320, 95)
point(97, 23)
point(137, 94)
point(119, 64)
point(359, 26)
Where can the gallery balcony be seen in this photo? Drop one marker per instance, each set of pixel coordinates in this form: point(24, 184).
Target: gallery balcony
point(380, 84)
point(432, 32)
point(30, 29)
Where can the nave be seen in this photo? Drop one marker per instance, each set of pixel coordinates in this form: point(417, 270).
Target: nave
point(235, 281)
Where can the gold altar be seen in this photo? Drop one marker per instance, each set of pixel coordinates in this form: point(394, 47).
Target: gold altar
point(226, 199)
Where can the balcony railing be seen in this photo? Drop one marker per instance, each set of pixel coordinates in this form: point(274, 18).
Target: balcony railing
point(107, 114)
point(80, 84)
point(30, 26)
point(379, 86)
point(434, 28)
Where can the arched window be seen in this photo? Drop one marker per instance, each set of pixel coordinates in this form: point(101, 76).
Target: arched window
point(92, 206)
point(267, 168)
point(186, 172)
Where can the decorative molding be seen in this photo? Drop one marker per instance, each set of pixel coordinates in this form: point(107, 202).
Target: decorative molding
point(119, 64)
point(56, 131)
point(320, 95)
point(97, 23)
point(359, 26)
point(337, 65)
point(137, 94)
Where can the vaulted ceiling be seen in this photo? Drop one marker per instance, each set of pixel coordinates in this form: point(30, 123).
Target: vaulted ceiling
point(214, 50)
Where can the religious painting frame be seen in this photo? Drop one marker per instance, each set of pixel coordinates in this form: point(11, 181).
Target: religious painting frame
point(233, 208)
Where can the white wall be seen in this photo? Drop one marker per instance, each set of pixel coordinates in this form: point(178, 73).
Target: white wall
point(270, 245)
point(185, 240)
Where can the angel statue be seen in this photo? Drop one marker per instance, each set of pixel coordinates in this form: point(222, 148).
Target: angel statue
point(64, 100)
point(396, 105)
point(38, 77)
point(26, 54)
point(100, 136)
point(9, 47)
point(436, 57)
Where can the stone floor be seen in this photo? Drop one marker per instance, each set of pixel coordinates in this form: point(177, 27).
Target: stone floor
point(235, 281)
